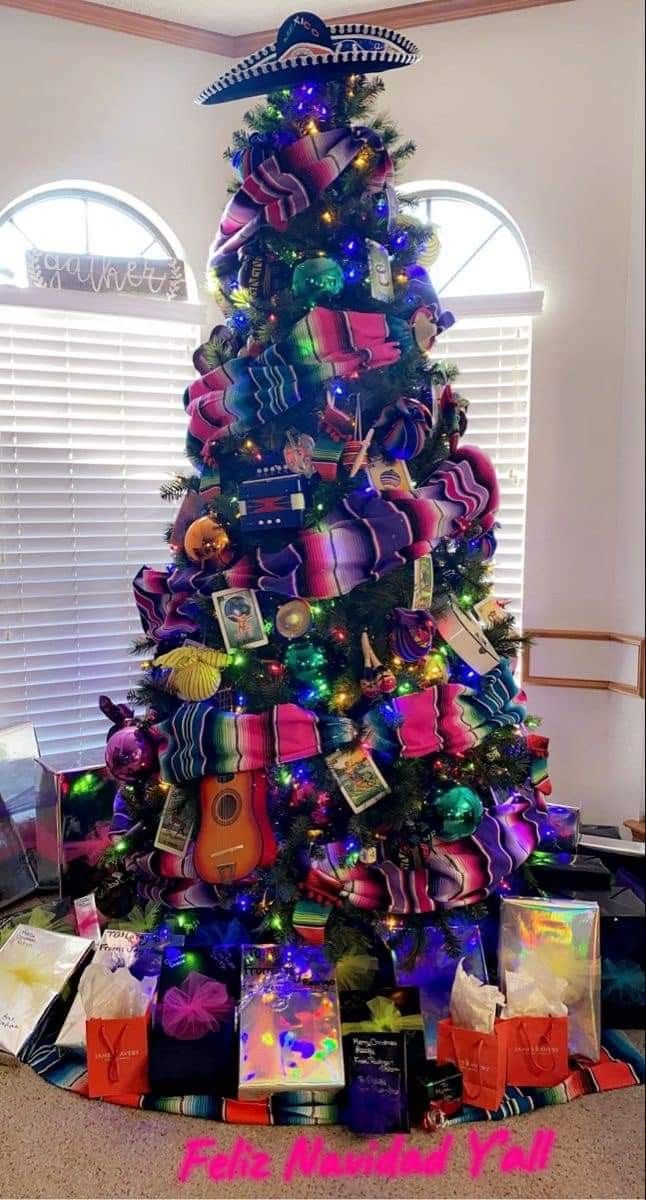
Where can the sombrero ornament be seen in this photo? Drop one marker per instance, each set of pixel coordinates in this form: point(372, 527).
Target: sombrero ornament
point(307, 48)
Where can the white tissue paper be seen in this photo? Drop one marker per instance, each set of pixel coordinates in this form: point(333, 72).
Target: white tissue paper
point(473, 1003)
point(106, 993)
point(528, 996)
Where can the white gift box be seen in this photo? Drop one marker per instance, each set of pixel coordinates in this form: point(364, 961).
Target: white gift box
point(35, 965)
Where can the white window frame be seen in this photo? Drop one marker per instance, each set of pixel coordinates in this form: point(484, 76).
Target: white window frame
point(524, 305)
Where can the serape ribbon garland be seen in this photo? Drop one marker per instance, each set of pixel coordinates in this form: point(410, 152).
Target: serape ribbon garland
point(280, 181)
point(454, 873)
point(323, 345)
point(199, 739)
point(366, 537)
point(369, 535)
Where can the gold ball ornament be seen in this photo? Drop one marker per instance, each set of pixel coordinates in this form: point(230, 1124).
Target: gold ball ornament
point(205, 541)
point(293, 619)
point(194, 671)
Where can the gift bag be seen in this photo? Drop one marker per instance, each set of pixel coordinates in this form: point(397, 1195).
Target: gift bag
point(481, 1057)
point(117, 1056)
point(117, 1009)
point(537, 1051)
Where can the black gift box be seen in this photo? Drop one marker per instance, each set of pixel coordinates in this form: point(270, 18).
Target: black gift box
point(354, 1005)
point(623, 957)
point(375, 1100)
point(206, 1065)
point(558, 873)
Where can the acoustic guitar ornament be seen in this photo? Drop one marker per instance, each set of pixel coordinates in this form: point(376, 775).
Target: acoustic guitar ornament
point(235, 833)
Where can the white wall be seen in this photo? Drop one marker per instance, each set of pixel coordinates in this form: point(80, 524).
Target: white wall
point(536, 108)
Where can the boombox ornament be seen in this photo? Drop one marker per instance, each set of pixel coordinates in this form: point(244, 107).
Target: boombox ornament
point(268, 504)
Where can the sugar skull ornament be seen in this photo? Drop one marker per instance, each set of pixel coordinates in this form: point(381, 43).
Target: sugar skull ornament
point(130, 752)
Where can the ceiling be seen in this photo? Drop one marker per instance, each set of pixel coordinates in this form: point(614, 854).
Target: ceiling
point(243, 16)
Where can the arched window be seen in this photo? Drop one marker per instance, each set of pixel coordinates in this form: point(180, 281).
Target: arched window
point(91, 419)
point(76, 218)
point(480, 265)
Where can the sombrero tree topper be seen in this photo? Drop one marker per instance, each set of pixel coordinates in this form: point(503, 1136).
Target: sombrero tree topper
point(307, 48)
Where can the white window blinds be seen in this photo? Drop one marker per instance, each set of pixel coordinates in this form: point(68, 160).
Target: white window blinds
point(493, 355)
point(91, 421)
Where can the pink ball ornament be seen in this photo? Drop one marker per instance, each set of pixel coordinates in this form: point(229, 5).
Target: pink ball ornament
point(130, 754)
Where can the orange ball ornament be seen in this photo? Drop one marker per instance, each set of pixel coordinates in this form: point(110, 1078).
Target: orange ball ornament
point(206, 542)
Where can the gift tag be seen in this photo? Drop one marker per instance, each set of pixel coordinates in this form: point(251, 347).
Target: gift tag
point(467, 639)
point(381, 277)
point(176, 824)
point(490, 611)
point(239, 618)
point(358, 777)
point(423, 576)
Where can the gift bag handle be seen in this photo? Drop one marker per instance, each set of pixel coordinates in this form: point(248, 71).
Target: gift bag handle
point(544, 1040)
point(471, 1093)
point(113, 1051)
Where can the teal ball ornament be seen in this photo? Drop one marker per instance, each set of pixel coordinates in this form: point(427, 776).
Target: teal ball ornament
point(456, 814)
point(317, 277)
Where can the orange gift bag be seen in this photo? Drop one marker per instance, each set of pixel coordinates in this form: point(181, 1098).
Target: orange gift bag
point(537, 1051)
point(481, 1057)
point(117, 1055)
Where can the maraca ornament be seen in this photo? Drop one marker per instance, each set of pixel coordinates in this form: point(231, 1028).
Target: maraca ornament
point(411, 636)
point(456, 814)
point(403, 427)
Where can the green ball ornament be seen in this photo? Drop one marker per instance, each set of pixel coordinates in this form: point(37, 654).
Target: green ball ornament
point(304, 661)
point(456, 814)
point(317, 277)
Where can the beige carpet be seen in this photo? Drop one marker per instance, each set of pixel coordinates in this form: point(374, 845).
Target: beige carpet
point(55, 1144)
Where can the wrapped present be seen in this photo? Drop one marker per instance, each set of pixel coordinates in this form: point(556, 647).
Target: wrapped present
point(16, 876)
point(193, 1045)
point(422, 958)
point(117, 1009)
point(435, 1093)
point(35, 966)
point(623, 957)
point(74, 810)
point(273, 503)
point(390, 1010)
point(561, 872)
point(559, 939)
point(559, 828)
point(290, 1028)
point(376, 1097)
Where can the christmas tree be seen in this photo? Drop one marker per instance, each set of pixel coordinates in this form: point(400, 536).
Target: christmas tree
point(332, 743)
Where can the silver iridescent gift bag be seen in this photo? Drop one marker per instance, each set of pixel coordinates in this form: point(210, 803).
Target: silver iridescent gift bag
point(558, 938)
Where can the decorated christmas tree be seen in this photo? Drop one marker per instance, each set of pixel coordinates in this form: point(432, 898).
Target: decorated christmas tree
point(329, 744)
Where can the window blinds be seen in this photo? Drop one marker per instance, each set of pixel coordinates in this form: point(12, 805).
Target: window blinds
point(91, 421)
point(493, 355)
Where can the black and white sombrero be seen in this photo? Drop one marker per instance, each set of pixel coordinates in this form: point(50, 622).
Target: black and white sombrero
point(306, 48)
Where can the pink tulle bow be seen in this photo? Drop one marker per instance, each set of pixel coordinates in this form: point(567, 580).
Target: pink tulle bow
point(196, 1008)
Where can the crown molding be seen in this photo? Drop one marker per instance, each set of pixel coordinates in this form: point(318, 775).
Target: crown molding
point(120, 21)
point(428, 12)
point(191, 37)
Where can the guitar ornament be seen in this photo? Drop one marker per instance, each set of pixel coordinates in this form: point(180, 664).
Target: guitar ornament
point(235, 833)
